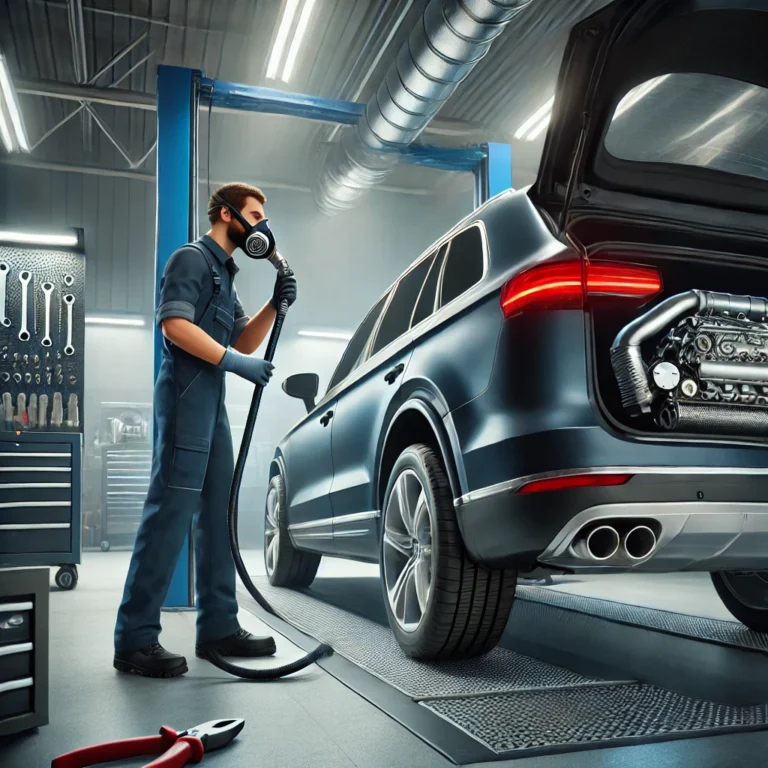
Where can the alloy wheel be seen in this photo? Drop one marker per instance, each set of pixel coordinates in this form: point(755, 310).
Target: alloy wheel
point(272, 531)
point(407, 551)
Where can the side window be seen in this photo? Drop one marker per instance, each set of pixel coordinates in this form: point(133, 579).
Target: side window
point(464, 266)
point(426, 304)
point(397, 319)
point(356, 347)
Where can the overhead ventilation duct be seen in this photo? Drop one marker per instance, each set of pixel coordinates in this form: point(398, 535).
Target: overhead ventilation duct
point(449, 39)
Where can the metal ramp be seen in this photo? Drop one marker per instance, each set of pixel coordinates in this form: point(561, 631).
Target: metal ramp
point(512, 704)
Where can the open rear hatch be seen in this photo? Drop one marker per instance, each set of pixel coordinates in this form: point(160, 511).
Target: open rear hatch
point(657, 155)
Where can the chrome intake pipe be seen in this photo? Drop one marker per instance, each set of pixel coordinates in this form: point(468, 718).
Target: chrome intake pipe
point(639, 543)
point(601, 543)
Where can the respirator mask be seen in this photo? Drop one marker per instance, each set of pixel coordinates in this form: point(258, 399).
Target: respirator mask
point(257, 240)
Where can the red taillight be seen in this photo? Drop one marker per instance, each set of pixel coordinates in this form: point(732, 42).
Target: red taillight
point(560, 285)
point(572, 481)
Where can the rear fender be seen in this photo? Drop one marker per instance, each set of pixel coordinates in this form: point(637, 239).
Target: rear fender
point(428, 406)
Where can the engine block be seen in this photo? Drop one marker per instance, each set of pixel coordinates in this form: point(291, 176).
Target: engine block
point(709, 372)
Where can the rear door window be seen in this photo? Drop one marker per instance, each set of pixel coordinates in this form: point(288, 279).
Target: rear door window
point(397, 319)
point(356, 349)
point(465, 264)
point(426, 303)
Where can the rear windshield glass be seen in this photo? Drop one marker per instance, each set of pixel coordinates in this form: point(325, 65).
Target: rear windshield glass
point(696, 120)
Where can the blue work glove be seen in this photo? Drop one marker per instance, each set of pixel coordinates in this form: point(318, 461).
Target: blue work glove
point(252, 369)
point(285, 289)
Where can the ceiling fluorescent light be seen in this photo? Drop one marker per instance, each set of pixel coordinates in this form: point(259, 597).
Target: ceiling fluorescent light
point(545, 110)
point(301, 30)
point(282, 35)
point(5, 131)
point(12, 105)
point(31, 238)
point(327, 335)
point(136, 322)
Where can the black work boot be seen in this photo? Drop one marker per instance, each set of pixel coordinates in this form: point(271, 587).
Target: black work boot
point(150, 661)
point(241, 643)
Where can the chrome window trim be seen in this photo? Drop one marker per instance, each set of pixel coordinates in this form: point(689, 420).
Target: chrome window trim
point(434, 255)
point(355, 517)
point(510, 486)
point(438, 316)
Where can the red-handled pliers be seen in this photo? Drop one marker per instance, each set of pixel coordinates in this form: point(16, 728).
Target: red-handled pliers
point(175, 750)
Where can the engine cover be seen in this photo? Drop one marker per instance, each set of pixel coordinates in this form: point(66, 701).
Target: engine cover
point(709, 372)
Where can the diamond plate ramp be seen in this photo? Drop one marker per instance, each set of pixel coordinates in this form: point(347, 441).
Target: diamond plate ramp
point(511, 704)
point(570, 718)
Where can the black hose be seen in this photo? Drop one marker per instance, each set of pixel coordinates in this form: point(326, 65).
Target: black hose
point(248, 673)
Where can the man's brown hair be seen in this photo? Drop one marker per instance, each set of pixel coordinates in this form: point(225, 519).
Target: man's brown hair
point(235, 194)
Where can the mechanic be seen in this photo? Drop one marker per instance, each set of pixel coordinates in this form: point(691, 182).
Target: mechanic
point(207, 333)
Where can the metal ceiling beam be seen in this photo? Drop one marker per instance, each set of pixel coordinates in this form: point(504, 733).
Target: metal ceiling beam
point(73, 92)
point(456, 129)
point(124, 173)
point(122, 53)
point(113, 84)
point(79, 57)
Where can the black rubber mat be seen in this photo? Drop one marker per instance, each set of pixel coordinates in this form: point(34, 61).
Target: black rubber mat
point(515, 705)
point(697, 627)
point(374, 648)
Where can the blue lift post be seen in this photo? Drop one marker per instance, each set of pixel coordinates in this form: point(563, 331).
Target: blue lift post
point(179, 92)
point(176, 225)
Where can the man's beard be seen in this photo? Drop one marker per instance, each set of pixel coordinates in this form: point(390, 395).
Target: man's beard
point(237, 236)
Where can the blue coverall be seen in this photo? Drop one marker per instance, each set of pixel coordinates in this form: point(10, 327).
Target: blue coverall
point(192, 458)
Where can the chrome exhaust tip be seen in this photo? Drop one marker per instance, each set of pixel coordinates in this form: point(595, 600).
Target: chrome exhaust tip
point(601, 543)
point(639, 543)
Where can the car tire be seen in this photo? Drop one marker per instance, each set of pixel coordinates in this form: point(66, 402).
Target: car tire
point(465, 607)
point(745, 595)
point(286, 566)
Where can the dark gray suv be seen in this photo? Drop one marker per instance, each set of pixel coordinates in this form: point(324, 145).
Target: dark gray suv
point(575, 378)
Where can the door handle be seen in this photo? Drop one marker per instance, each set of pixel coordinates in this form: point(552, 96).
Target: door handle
point(326, 418)
point(394, 373)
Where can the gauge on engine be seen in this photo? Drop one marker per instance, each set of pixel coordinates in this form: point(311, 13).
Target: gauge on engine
point(666, 375)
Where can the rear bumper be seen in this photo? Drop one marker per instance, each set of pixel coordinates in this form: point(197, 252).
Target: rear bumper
point(705, 519)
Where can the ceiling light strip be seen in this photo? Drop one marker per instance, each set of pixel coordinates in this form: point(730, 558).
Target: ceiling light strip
point(12, 105)
point(282, 35)
point(301, 30)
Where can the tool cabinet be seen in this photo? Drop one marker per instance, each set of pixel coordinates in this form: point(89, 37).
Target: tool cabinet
point(24, 644)
point(40, 502)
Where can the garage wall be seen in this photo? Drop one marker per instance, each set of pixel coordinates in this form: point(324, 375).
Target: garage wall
point(343, 265)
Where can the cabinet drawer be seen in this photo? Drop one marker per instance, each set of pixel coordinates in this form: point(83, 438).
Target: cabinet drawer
point(16, 697)
point(15, 623)
point(16, 661)
point(31, 539)
point(34, 513)
point(13, 455)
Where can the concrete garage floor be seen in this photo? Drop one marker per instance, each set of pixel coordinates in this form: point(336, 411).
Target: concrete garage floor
point(310, 719)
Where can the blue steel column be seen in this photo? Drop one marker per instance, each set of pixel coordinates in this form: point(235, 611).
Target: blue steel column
point(177, 96)
point(493, 175)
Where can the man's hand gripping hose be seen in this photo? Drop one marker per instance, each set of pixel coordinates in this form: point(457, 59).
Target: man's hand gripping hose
point(214, 657)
